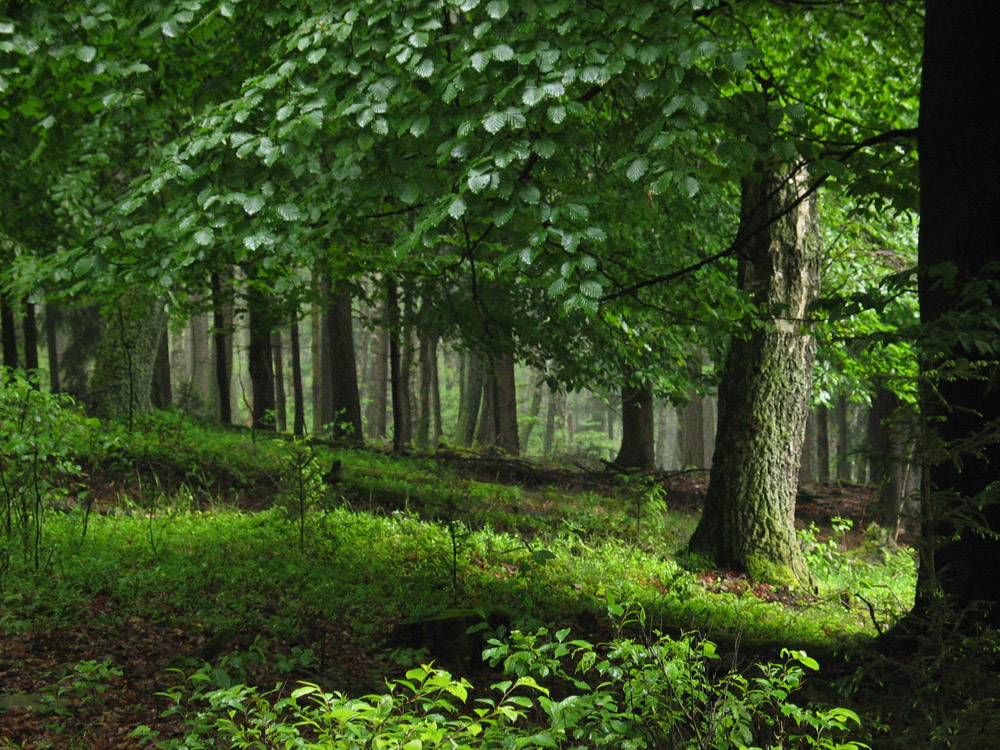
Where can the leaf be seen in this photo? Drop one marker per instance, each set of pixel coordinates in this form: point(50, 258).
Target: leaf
point(515, 117)
point(86, 53)
point(479, 61)
point(531, 194)
point(253, 204)
point(494, 122)
point(419, 125)
point(169, 29)
point(425, 69)
point(316, 55)
point(689, 185)
point(289, 212)
point(6, 27)
point(204, 236)
point(557, 113)
point(503, 53)
point(478, 181)
point(637, 169)
point(314, 118)
point(457, 208)
point(497, 9)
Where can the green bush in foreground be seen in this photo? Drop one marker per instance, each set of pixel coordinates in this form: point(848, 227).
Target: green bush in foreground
point(663, 693)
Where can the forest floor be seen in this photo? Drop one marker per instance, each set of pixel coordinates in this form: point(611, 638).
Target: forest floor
point(56, 692)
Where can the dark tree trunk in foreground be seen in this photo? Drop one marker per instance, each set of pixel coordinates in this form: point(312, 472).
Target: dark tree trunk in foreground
point(960, 225)
point(162, 394)
point(748, 521)
point(122, 380)
point(886, 443)
point(342, 374)
point(280, 402)
point(637, 448)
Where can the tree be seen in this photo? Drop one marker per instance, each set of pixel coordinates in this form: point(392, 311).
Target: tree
point(764, 395)
point(959, 251)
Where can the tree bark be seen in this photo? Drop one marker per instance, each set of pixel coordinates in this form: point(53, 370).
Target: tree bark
point(505, 404)
point(422, 433)
point(52, 346)
point(470, 396)
point(260, 321)
point(886, 443)
point(342, 380)
point(299, 407)
point(8, 328)
point(400, 441)
point(823, 443)
point(222, 340)
point(379, 381)
point(162, 394)
point(280, 406)
point(843, 440)
point(692, 434)
point(30, 329)
point(534, 410)
point(126, 353)
point(638, 447)
point(748, 520)
point(960, 226)
point(552, 415)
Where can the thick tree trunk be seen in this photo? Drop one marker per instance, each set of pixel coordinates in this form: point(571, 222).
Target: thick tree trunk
point(534, 409)
point(200, 366)
point(886, 443)
point(52, 347)
point(505, 405)
point(691, 436)
point(960, 226)
point(486, 431)
point(748, 521)
point(342, 374)
point(321, 406)
point(126, 354)
point(807, 464)
point(299, 406)
point(637, 448)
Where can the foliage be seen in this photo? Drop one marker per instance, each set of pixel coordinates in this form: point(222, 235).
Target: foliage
point(643, 695)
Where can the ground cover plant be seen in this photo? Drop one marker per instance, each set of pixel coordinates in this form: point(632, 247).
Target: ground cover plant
point(157, 583)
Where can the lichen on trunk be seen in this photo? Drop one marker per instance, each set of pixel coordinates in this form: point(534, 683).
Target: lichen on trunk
point(748, 520)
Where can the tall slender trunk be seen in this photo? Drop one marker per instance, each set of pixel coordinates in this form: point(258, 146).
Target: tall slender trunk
point(30, 330)
point(280, 407)
point(486, 431)
point(692, 434)
point(823, 443)
point(748, 520)
point(222, 340)
point(422, 431)
point(299, 407)
point(552, 415)
point(637, 448)
point(436, 427)
point(887, 440)
point(533, 411)
point(399, 419)
point(52, 346)
point(843, 441)
point(8, 328)
point(470, 396)
point(807, 464)
point(162, 394)
point(378, 379)
point(505, 405)
point(405, 373)
point(318, 347)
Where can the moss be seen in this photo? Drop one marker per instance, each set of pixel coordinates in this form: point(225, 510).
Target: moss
point(761, 568)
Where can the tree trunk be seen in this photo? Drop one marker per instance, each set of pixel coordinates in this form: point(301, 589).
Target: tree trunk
point(280, 407)
point(886, 442)
point(9, 332)
point(843, 441)
point(469, 398)
point(299, 418)
point(162, 394)
point(260, 320)
point(637, 448)
point(533, 411)
point(436, 426)
point(405, 371)
point(52, 346)
point(807, 464)
point(126, 353)
point(823, 443)
point(320, 401)
point(422, 433)
point(30, 330)
point(748, 520)
point(505, 404)
point(342, 380)
point(201, 376)
point(552, 415)
point(400, 440)
point(486, 431)
point(222, 339)
point(379, 381)
point(960, 226)
point(692, 434)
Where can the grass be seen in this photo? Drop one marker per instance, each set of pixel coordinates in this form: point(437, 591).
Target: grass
point(188, 528)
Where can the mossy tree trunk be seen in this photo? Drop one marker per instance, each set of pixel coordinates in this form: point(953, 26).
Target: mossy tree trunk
point(122, 380)
point(748, 521)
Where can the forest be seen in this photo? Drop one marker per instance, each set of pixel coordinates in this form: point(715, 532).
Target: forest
point(479, 374)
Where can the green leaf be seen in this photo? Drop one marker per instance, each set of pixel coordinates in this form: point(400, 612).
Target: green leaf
point(204, 236)
point(86, 53)
point(478, 181)
point(494, 122)
point(419, 125)
point(503, 53)
point(457, 208)
point(557, 113)
point(425, 69)
point(689, 185)
point(637, 169)
point(497, 9)
point(289, 212)
point(253, 204)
